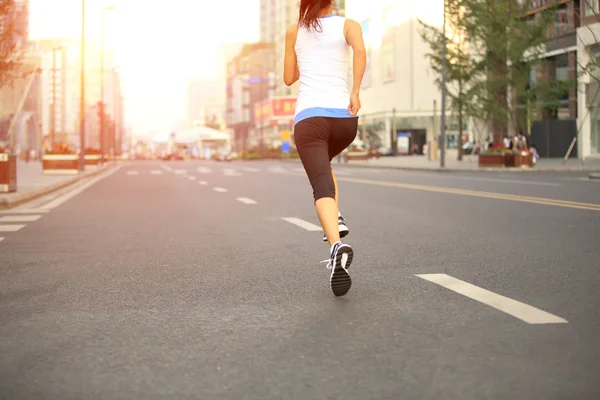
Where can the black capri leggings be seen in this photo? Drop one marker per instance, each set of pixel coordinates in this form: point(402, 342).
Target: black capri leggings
point(319, 140)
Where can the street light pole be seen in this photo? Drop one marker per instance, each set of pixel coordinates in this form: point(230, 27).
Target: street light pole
point(82, 94)
point(262, 121)
point(102, 128)
point(443, 119)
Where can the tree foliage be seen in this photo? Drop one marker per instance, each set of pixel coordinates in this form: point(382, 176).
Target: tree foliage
point(11, 53)
point(489, 73)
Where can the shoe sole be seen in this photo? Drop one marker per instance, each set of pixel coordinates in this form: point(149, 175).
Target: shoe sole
point(340, 280)
point(343, 233)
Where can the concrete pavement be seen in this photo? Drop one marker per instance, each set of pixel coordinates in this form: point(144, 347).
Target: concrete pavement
point(185, 280)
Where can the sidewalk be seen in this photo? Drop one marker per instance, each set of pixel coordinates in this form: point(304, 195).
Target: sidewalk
point(469, 164)
point(32, 183)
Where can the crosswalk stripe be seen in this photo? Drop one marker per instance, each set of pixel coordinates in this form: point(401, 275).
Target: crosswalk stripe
point(246, 200)
point(519, 310)
point(302, 224)
point(220, 189)
point(20, 218)
point(11, 228)
point(202, 183)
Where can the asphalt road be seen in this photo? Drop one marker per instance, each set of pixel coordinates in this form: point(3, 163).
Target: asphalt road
point(150, 284)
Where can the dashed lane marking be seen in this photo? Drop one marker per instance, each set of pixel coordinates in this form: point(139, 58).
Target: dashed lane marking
point(220, 189)
point(519, 310)
point(11, 228)
point(20, 218)
point(302, 224)
point(246, 200)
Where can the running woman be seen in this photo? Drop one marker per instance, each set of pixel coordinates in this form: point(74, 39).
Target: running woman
point(325, 122)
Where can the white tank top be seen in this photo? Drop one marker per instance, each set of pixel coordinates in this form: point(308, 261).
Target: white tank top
point(323, 64)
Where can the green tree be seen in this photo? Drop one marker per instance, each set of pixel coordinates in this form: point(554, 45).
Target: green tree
point(461, 68)
point(11, 52)
point(508, 43)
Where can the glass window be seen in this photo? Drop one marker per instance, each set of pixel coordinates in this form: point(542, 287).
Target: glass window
point(561, 23)
point(592, 7)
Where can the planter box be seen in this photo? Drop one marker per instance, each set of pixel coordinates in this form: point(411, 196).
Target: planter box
point(509, 160)
point(491, 160)
point(92, 161)
point(524, 160)
point(8, 173)
point(60, 164)
point(357, 155)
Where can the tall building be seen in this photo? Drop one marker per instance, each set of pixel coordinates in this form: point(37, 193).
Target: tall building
point(588, 93)
point(249, 81)
point(553, 130)
point(398, 79)
point(268, 19)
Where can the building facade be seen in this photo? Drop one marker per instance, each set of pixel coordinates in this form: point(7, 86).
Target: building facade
point(268, 20)
point(588, 62)
point(250, 79)
point(398, 83)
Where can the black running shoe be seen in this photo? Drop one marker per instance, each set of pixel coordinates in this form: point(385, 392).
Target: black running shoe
point(339, 262)
point(343, 228)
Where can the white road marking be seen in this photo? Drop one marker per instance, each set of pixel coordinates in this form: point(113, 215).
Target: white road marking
point(202, 183)
point(180, 171)
point(156, 172)
point(220, 189)
point(166, 167)
point(204, 170)
point(246, 200)
point(11, 228)
point(25, 211)
point(20, 218)
point(132, 172)
point(303, 224)
point(512, 307)
point(276, 169)
point(251, 169)
point(298, 169)
point(63, 198)
point(1, 239)
point(231, 172)
point(192, 178)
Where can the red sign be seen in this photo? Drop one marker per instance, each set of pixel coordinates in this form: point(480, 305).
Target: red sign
point(276, 108)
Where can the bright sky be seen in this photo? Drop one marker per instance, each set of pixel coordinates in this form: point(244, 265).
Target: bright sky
point(159, 45)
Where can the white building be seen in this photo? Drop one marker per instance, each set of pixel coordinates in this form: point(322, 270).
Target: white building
point(398, 75)
point(588, 94)
point(268, 20)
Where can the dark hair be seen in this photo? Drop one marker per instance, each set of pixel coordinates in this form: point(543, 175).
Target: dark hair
point(309, 13)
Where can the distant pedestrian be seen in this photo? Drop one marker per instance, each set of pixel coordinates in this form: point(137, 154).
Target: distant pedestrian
point(325, 121)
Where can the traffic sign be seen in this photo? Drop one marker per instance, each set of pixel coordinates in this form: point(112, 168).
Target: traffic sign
point(285, 147)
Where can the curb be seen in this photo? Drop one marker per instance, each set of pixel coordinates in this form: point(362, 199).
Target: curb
point(594, 176)
point(469, 170)
point(6, 204)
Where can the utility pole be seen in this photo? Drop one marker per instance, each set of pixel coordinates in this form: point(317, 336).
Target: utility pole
point(82, 94)
point(443, 119)
point(262, 98)
point(53, 115)
point(102, 127)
